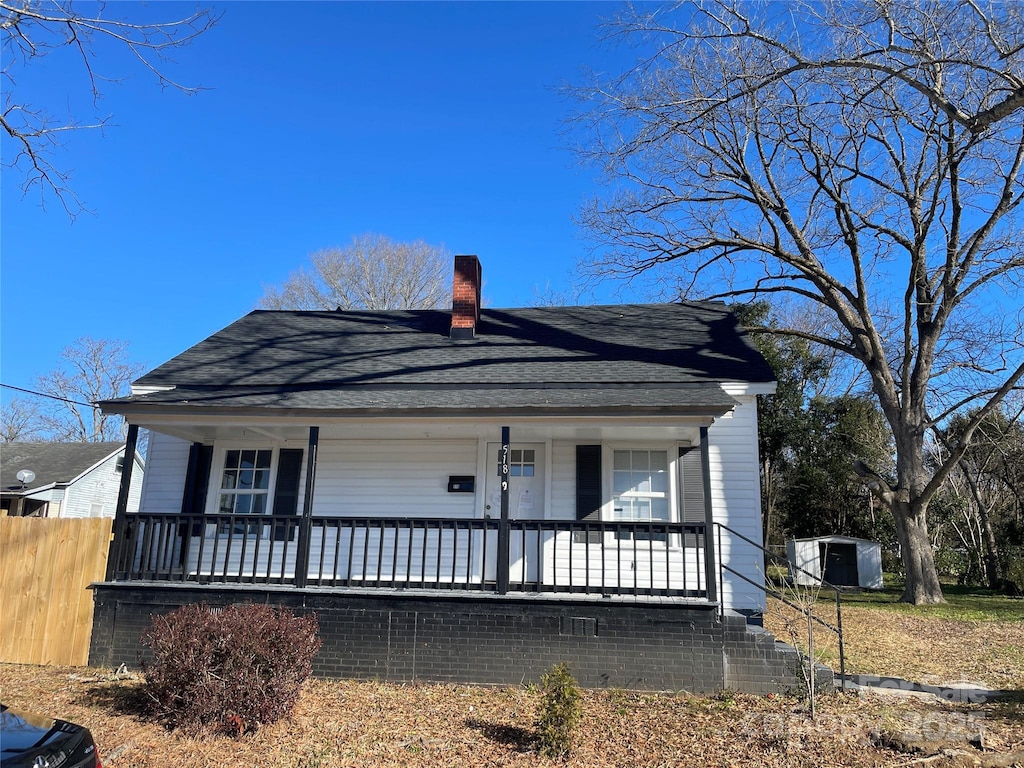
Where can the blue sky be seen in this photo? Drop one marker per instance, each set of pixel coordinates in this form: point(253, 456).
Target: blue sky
point(321, 121)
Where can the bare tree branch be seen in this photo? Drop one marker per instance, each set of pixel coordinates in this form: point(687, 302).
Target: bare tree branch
point(91, 370)
point(32, 29)
point(19, 421)
point(864, 158)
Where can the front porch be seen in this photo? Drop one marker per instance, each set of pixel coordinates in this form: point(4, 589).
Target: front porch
point(287, 516)
point(450, 586)
point(500, 556)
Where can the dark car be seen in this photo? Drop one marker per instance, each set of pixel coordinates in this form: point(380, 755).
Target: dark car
point(28, 740)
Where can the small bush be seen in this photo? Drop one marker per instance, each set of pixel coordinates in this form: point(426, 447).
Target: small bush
point(560, 711)
point(231, 669)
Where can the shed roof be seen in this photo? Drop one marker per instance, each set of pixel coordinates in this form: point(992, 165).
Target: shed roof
point(838, 540)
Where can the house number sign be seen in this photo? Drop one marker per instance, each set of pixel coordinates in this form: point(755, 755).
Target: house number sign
point(504, 466)
point(504, 458)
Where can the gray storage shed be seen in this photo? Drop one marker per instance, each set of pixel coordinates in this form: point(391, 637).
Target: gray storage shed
point(841, 560)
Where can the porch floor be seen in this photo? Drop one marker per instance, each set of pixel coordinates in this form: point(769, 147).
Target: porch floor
point(412, 592)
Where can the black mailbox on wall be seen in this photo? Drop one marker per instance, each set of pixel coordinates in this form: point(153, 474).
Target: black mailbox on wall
point(461, 483)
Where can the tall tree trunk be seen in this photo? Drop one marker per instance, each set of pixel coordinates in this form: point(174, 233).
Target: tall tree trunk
point(910, 510)
point(992, 570)
point(922, 585)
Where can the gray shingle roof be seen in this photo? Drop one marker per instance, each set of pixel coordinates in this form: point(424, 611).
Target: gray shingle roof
point(660, 355)
point(52, 462)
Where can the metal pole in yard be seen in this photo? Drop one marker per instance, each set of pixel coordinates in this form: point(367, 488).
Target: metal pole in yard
point(842, 648)
point(810, 657)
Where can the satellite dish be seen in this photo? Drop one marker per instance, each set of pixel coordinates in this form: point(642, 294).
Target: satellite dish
point(25, 476)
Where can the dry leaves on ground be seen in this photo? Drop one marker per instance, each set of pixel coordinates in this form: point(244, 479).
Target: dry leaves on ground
point(348, 723)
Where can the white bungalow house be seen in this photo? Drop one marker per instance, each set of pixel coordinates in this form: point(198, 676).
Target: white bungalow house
point(65, 479)
point(497, 467)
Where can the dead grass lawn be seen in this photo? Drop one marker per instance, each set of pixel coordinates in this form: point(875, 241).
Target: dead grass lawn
point(346, 723)
point(915, 647)
point(372, 724)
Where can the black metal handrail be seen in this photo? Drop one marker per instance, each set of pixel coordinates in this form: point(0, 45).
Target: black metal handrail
point(575, 556)
point(779, 560)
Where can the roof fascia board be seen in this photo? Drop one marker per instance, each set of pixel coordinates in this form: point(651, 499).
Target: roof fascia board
point(31, 492)
point(743, 388)
point(148, 390)
point(27, 493)
point(304, 418)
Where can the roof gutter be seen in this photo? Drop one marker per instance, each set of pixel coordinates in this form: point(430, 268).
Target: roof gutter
point(165, 409)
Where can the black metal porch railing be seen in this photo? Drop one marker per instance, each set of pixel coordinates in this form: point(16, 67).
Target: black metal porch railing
point(560, 556)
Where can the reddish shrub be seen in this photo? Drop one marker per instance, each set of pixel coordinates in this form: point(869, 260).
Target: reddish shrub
point(231, 669)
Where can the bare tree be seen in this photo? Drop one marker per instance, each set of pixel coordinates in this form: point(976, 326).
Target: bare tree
point(571, 295)
point(861, 156)
point(373, 272)
point(91, 370)
point(20, 421)
point(33, 29)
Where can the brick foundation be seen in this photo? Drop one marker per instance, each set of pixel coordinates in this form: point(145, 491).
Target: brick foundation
point(490, 640)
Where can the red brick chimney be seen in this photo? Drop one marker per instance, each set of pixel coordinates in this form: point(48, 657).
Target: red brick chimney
point(465, 297)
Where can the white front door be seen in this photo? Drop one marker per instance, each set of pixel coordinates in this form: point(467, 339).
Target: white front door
point(525, 502)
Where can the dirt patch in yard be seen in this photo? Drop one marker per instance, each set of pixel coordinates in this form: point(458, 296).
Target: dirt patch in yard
point(347, 723)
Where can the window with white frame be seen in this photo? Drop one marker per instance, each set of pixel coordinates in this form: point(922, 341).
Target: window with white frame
point(244, 486)
point(245, 482)
point(641, 488)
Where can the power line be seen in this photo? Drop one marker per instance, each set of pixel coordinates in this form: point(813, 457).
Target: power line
point(43, 394)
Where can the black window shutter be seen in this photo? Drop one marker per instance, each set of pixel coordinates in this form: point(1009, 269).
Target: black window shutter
point(691, 475)
point(588, 482)
point(286, 490)
point(691, 488)
point(197, 480)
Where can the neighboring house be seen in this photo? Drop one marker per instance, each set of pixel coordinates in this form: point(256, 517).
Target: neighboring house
point(68, 479)
point(351, 463)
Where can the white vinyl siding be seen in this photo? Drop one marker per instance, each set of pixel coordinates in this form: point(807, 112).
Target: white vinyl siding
point(562, 504)
point(639, 564)
point(164, 481)
point(394, 478)
point(98, 489)
point(736, 499)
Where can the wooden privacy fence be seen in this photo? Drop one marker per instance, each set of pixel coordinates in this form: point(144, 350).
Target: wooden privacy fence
point(46, 566)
